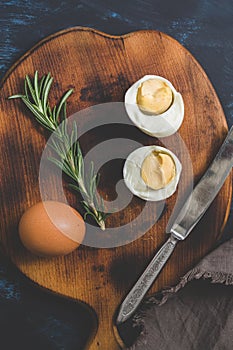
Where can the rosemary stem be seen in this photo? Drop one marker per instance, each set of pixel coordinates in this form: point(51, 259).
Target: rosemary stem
point(68, 154)
point(91, 204)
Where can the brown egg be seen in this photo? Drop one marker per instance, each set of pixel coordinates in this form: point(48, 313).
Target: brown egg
point(51, 229)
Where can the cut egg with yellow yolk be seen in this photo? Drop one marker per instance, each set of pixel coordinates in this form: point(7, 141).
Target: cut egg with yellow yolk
point(154, 106)
point(152, 173)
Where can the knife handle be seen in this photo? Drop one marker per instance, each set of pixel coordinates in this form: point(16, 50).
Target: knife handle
point(135, 296)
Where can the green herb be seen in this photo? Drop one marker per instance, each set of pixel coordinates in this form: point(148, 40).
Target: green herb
point(69, 154)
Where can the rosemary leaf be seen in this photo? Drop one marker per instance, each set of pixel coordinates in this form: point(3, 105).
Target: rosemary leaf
point(46, 94)
point(32, 91)
point(63, 100)
point(36, 87)
point(26, 89)
point(15, 96)
point(40, 85)
point(56, 162)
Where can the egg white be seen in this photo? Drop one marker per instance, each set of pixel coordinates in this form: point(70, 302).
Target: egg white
point(160, 125)
point(134, 181)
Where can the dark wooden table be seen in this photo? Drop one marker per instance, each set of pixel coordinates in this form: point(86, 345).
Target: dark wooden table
point(30, 318)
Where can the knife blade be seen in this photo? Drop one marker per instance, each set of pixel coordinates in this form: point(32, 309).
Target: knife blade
point(192, 211)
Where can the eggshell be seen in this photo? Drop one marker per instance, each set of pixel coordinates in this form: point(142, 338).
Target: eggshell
point(160, 125)
point(51, 229)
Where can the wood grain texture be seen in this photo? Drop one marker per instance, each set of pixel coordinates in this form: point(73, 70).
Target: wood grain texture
point(103, 67)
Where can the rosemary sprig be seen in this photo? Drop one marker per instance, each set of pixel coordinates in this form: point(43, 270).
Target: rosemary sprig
point(65, 144)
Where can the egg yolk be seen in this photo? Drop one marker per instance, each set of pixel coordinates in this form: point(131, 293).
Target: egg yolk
point(158, 170)
point(154, 96)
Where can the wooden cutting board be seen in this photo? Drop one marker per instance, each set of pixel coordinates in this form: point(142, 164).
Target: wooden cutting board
point(100, 68)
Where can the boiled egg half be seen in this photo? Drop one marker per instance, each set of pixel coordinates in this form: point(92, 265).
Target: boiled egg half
point(152, 173)
point(154, 106)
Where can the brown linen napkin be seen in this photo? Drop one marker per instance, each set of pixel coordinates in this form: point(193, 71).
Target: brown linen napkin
point(197, 317)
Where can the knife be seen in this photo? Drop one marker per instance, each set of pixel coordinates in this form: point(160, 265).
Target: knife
point(192, 211)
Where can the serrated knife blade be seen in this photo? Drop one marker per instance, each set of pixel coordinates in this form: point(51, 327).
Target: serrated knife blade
point(192, 211)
